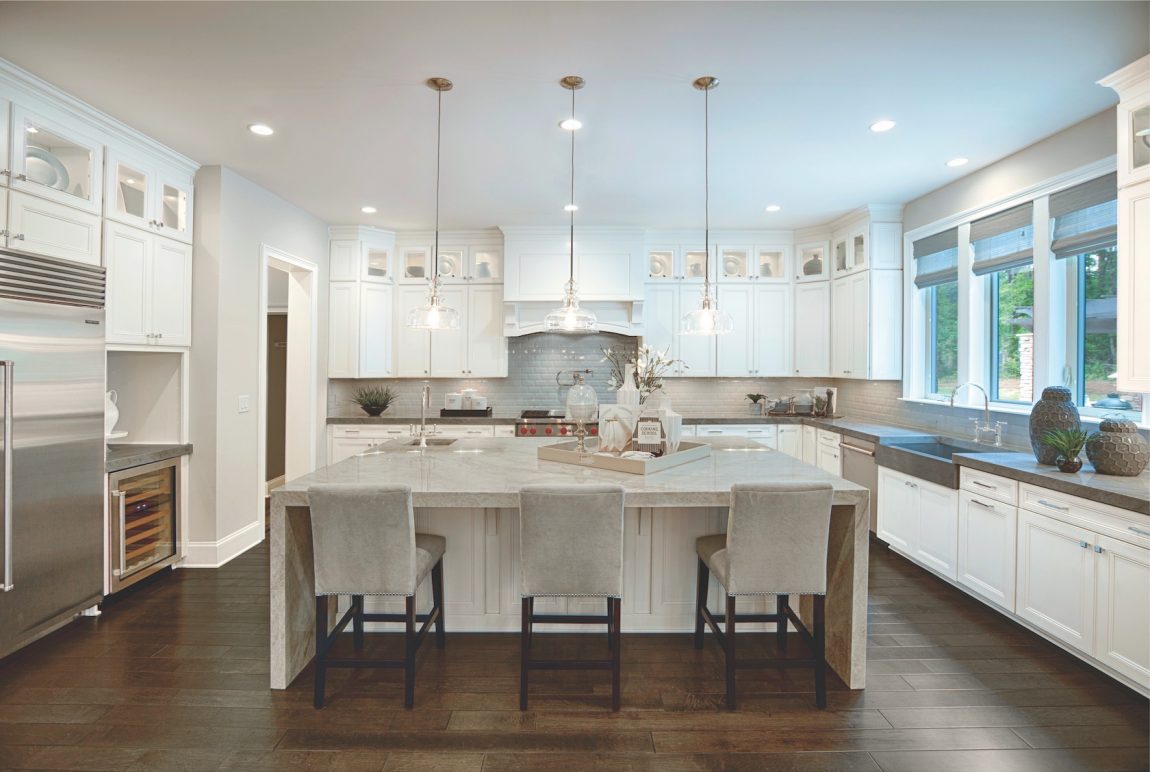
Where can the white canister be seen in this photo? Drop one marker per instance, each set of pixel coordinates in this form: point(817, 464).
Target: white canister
point(478, 402)
point(468, 395)
point(453, 401)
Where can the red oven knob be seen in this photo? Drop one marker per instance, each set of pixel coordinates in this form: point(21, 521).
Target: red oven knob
point(594, 431)
point(562, 429)
point(532, 430)
point(548, 430)
point(523, 430)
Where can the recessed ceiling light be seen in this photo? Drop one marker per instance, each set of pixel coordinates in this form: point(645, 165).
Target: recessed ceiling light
point(773, 208)
point(571, 208)
point(368, 209)
point(262, 129)
point(956, 162)
point(880, 126)
point(32, 130)
point(570, 124)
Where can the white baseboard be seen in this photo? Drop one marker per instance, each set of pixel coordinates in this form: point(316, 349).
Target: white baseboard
point(213, 554)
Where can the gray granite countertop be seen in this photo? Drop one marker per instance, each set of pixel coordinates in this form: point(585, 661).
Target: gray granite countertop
point(1131, 493)
point(127, 456)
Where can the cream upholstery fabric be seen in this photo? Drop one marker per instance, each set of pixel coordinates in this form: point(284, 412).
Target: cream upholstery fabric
point(364, 541)
point(776, 540)
point(571, 540)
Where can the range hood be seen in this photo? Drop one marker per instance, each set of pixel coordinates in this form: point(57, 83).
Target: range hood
point(623, 317)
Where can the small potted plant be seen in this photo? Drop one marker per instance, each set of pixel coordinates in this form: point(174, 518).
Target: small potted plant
point(1067, 443)
point(757, 403)
point(374, 399)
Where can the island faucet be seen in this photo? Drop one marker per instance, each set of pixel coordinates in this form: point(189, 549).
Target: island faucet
point(992, 433)
point(424, 404)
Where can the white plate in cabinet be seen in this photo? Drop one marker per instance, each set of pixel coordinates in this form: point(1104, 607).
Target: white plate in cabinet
point(1056, 578)
point(986, 547)
point(56, 161)
point(1122, 638)
point(47, 228)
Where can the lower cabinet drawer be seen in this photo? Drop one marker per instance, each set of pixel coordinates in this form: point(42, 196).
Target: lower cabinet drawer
point(989, 485)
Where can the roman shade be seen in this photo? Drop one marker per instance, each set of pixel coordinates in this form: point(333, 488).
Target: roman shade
point(936, 259)
point(1085, 217)
point(1004, 240)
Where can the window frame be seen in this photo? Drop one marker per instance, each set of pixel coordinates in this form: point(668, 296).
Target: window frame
point(993, 341)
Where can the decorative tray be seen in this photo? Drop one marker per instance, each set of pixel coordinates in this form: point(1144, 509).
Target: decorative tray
point(445, 413)
point(565, 453)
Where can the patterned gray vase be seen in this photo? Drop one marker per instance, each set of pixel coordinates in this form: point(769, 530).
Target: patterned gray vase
point(1118, 448)
point(1055, 410)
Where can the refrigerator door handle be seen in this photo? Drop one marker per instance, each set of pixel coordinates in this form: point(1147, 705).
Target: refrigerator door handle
point(6, 582)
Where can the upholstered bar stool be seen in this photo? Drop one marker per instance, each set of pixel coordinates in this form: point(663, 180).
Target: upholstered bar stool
point(775, 544)
point(571, 545)
point(364, 543)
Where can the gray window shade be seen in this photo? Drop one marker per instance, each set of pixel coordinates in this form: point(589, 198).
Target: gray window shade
point(936, 259)
point(1085, 217)
point(1004, 240)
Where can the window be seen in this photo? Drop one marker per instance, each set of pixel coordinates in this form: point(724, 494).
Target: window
point(936, 276)
point(1003, 252)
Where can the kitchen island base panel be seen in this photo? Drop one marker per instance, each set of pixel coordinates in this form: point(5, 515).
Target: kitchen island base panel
point(482, 580)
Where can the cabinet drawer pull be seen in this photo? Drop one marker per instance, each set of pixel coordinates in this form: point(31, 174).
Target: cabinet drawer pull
point(1083, 545)
point(1139, 531)
point(982, 504)
point(1097, 549)
point(1046, 503)
point(984, 485)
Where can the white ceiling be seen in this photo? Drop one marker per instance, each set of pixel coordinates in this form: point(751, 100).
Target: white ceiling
point(343, 86)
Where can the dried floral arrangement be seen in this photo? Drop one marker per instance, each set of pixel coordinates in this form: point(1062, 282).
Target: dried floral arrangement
point(650, 369)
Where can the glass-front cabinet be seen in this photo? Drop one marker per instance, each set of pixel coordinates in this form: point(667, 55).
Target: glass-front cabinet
point(5, 166)
point(812, 263)
point(376, 263)
point(678, 263)
point(767, 263)
point(143, 194)
point(851, 252)
point(771, 263)
point(143, 522)
point(457, 264)
point(736, 262)
point(55, 162)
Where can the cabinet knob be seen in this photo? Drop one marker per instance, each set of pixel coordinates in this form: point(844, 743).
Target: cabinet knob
point(1097, 549)
point(21, 177)
point(6, 172)
point(17, 237)
point(1083, 544)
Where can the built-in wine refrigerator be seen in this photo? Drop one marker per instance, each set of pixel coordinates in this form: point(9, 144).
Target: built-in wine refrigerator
point(144, 520)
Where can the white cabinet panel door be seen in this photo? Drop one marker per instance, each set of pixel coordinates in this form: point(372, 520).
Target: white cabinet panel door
point(541, 276)
point(374, 330)
point(986, 547)
point(1056, 578)
point(602, 275)
point(1134, 287)
point(812, 349)
point(735, 350)
point(343, 330)
point(1123, 610)
point(897, 511)
point(859, 330)
point(828, 460)
point(810, 445)
point(937, 544)
point(841, 338)
point(464, 568)
point(773, 338)
point(486, 345)
point(128, 253)
point(660, 317)
point(170, 292)
point(412, 347)
point(449, 347)
point(3, 206)
point(341, 449)
point(53, 230)
point(790, 439)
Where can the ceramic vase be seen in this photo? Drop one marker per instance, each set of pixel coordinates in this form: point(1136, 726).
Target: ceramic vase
point(1118, 448)
point(628, 393)
point(1055, 410)
point(111, 412)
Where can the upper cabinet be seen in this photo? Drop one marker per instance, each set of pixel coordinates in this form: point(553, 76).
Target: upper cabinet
point(146, 194)
point(1132, 83)
point(677, 263)
point(611, 264)
point(5, 157)
point(458, 263)
point(149, 288)
point(866, 326)
point(362, 254)
point(812, 262)
point(55, 161)
point(753, 263)
point(868, 239)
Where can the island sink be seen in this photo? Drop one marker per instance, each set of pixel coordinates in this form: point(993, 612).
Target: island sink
point(435, 441)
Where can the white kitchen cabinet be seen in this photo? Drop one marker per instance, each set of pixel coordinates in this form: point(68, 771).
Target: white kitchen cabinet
point(459, 264)
point(146, 194)
point(149, 288)
point(812, 329)
point(937, 545)
point(1056, 578)
point(465, 431)
point(54, 160)
point(486, 345)
point(43, 227)
point(361, 253)
point(761, 342)
point(360, 339)
point(1134, 286)
point(810, 445)
point(678, 263)
point(412, 347)
point(1132, 84)
point(5, 156)
point(4, 216)
point(343, 448)
point(1122, 635)
point(449, 347)
point(343, 328)
point(986, 547)
point(347, 440)
point(790, 440)
point(764, 434)
point(828, 457)
point(664, 309)
point(812, 261)
point(867, 325)
point(610, 263)
point(477, 349)
point(870, 241)
point(897, 512)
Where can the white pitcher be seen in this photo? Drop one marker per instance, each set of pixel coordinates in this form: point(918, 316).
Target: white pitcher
point(111, 412)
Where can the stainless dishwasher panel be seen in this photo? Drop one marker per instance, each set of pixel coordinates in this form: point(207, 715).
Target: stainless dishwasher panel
point(859, 467)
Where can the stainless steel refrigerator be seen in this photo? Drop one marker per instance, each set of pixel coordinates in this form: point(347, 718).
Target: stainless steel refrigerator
point(52, 447)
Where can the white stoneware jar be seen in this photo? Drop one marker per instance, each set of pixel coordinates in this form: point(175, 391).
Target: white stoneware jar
point(111, 412)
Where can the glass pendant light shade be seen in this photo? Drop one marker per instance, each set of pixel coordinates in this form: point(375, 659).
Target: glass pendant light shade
point(433, 315)
point(570, 317)
point(707, 319)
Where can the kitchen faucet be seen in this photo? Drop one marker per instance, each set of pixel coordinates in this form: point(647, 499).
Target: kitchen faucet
point(992, 433)
point(424, 404)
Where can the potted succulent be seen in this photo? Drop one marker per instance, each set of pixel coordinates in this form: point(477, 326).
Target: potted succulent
point(757, 403)
point(374, 399)
point(1067, 444)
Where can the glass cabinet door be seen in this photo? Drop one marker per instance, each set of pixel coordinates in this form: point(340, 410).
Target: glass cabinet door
point(414, 262)
point(694, 264)
point(487, 264)
point(812, 262)
point(143, 518)
point(771, 264)
point(734, 262)
point(174, 216)
point(841, 264)
point(377, 264)
point(1140, 137)
point(452, 263)
point(661, 264)
point(56, 163)
point(858, 250)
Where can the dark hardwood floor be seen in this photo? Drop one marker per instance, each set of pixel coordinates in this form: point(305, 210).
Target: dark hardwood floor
point(175, 677)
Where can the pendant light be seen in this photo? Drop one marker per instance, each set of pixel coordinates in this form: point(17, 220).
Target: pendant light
point(434, 315)
point(708, 318)
point(569, 317)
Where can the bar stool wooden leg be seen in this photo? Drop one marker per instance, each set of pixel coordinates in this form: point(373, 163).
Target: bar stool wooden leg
point(702, 587)
point(524, 648)
point(437, 601)
point(409, 640)
point(357, 620)
point(320, 648)
point(729, 634)
point(616, 605)
point(781, 604)
point(610, 616)
point(820, 652)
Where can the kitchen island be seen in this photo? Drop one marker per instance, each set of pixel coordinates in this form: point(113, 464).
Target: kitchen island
point(467, 492)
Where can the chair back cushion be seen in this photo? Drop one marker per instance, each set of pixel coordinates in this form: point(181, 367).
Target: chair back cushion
point(363, 539)
point(777, 537)
point(571, 540)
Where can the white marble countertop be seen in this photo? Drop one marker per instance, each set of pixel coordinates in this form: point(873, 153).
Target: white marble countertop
point(489, 472)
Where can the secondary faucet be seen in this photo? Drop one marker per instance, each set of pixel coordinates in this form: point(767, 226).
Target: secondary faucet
point(993, 433)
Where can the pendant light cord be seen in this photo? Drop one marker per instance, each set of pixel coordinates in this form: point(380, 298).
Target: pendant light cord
point(438, 142)
point(571, 201)
point(707, 186)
